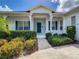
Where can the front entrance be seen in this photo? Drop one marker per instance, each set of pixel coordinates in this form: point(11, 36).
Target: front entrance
point(38, 27)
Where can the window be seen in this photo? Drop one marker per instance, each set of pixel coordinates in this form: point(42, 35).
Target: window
point(27, 25)
point(73, 18)
point(22, 25)
point(54, 25)
point(19, 25)
point(61, 25)
point(49, 25)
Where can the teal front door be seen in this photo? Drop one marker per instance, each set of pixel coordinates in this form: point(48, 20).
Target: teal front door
point(39, 27)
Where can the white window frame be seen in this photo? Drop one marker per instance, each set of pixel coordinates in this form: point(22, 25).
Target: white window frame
point(55, 24)
point(73, 20)
point(23, 24)
point(61, 24)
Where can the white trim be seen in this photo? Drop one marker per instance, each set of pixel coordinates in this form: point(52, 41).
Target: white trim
point(41, 6)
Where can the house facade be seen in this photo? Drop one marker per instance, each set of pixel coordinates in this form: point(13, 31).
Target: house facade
point(42, 20)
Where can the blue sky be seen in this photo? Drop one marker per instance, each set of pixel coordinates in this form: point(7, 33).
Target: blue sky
point(23, 5)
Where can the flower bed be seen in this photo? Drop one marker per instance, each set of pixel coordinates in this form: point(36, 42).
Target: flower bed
point(57, 40)
point(16, 47)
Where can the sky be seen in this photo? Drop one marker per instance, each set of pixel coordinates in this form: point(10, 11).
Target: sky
point(23, 5)
point(66, 5)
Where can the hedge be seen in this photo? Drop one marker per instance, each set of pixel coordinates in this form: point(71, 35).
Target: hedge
point(71, 31)
point(18, 33)
point(48, 35)
point(56, 40)
point(3, 35)
point(61, 40)
point(25, 34)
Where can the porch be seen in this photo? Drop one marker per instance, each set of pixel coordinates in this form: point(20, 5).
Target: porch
point(41, 23)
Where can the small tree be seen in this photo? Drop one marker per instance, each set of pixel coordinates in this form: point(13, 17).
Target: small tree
point(71, 31)
point(3, 24)
point(4, 31)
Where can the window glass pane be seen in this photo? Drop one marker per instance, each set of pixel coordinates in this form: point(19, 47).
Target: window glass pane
point(61, 24)
point(54, 25)
point(73, 18)
point(26, 25)
point(19, 25)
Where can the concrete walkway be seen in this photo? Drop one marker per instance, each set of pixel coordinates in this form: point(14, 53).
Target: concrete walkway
point(62, 52)
point(43, 44)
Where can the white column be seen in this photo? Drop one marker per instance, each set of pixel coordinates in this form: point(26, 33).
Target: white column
point(31, 22)
point(51, 17)
point(46, 25)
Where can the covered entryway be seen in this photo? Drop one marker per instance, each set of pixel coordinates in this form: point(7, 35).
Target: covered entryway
point(39, 29)
point(39, 25)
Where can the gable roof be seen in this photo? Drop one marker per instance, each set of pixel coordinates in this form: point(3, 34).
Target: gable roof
point(41, 6)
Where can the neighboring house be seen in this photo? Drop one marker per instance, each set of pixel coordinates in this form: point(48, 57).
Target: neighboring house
point(42, 19)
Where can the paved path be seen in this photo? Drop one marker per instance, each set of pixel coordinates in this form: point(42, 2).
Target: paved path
point(62, 52)
point(43, 44)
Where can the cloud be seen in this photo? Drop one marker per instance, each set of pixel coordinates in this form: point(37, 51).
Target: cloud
point(5, 8)
point(66, 5)
point(55, 0)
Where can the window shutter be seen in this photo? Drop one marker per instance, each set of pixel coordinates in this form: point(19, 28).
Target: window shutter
point(49, 25)
point(16, 25)
point(29, 24)
point(56, 24)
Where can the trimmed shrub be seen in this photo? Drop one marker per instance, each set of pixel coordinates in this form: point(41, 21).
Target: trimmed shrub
point(13, 34)
point(25, 34)
point(56, 40)
point(3, 35)
point(64, 34)
point(60, 40)
point(48, 35)
point(2, 42)
point(13, 48)
point(18, 39)
point(29, 44)
point(71, 31)
point(55, 34)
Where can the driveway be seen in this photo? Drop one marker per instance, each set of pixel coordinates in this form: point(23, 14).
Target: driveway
point(61, 52)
